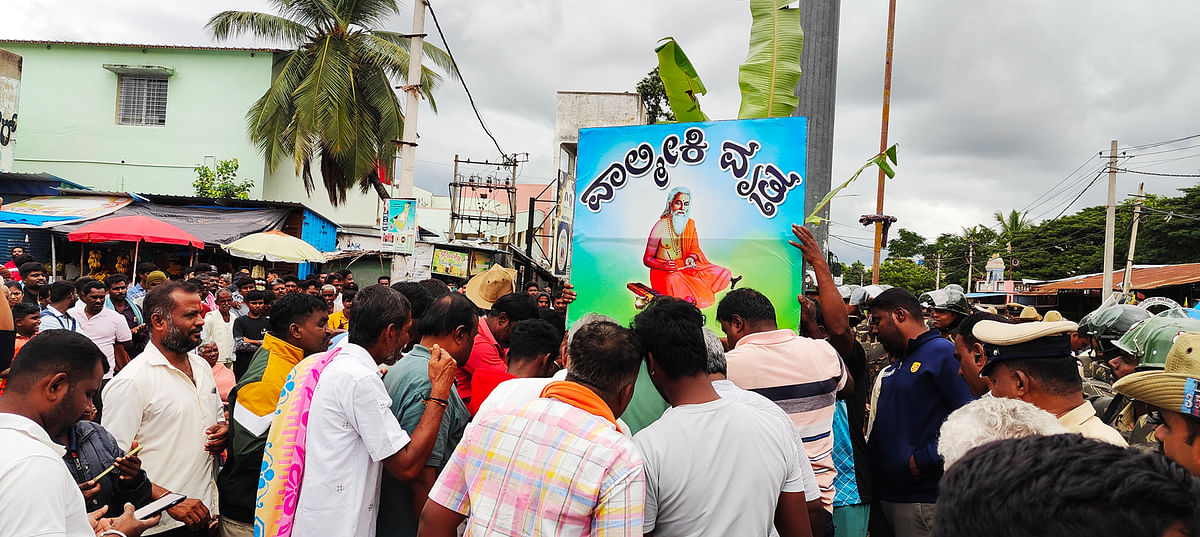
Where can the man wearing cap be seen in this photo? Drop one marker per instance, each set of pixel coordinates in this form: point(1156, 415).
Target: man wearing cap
point(493, 291)
point(1033, 362)
point(154, 279)
point(1175, 393)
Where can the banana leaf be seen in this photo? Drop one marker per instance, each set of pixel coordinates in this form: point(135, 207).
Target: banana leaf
point(880, 160)
point(772, 68)
point(680, 81)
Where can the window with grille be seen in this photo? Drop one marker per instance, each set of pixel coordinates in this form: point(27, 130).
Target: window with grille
point(141, 100)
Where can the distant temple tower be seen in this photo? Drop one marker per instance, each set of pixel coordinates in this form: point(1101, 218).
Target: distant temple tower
point(995, 269)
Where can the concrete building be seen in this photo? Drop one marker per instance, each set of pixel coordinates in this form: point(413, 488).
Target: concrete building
point(140, 118)
point(10, 96)
point(579, 110)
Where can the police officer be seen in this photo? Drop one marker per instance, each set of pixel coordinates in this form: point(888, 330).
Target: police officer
point(1144, 347)
point(947, 307)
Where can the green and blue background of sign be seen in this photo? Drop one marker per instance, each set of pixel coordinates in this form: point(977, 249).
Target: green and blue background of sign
point(608, 244)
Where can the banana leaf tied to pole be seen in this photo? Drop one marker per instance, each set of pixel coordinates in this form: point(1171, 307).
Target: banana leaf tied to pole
point(680, 81)
point(771, 71)
point(884, 160)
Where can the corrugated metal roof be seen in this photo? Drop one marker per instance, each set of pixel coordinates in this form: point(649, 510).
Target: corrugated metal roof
point(1143, 278)
point(137, 45)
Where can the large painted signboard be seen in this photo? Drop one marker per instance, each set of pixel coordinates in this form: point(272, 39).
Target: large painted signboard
point(689, 210)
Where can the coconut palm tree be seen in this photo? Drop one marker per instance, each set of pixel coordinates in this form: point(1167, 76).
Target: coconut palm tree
point(1010, 225)
point(332, 97)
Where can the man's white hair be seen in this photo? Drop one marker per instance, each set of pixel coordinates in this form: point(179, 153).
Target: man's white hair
point(671, 197)
point(588, 318)
point(989, 419)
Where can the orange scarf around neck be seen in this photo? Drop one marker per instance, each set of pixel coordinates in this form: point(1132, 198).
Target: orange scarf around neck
point(579, 396)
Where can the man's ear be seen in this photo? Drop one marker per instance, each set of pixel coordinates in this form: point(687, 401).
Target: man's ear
point(901, 315)
point(57, 386)
point(1022, 381)
point(979, 358)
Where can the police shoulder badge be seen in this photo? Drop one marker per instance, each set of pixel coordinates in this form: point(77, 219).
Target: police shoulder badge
point(915, 367)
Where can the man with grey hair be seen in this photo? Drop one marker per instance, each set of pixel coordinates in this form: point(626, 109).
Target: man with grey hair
point(678, 267)
point(989, 419)
point(728, 390)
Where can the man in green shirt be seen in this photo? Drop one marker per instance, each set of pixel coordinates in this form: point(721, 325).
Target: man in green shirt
point(299, 326)
point(450, 323)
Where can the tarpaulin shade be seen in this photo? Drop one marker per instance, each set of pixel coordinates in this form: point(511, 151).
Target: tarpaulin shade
point(213, 225)
point(134, 229)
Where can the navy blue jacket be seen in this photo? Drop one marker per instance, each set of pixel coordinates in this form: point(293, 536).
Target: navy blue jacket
point(91, 449)
point(918, 391)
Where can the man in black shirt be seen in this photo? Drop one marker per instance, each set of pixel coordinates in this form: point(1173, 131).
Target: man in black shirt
point(248, 332)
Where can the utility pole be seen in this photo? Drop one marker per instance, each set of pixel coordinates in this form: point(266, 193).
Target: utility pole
point(1110, 223)
point(408, 140)
point(938, 281)
point(1137, 215)
point(883, 136)
point(970, 266)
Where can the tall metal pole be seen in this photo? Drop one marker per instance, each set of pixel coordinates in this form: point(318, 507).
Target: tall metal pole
point(1127, 282)
point(883, 136)
point(1110, 223)
point(408, 140)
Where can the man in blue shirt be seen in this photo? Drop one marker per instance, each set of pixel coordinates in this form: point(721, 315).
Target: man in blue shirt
point(915, 394)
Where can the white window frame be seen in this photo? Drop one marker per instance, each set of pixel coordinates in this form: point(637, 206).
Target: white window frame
point(141, 100)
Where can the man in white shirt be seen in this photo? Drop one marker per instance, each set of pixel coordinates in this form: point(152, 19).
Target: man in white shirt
point(48, 390)
point(728, 390)
point(166, 400)
point(351, 429)
point(705, 450)
point(218, 326)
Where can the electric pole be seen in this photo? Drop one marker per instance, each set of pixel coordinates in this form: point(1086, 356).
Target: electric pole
point(408, 140)
point(1110, 223)
point(1137, 215)
point(970, 265)
point(938, 281)
point(883, 136)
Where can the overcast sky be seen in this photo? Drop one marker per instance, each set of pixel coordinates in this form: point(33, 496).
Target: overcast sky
point(992, 102)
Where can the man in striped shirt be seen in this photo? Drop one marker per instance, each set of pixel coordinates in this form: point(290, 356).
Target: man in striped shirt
point(557, 465)
point(801, 375)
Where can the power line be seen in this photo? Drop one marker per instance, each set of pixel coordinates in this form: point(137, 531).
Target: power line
point(1170, 214)
point(1156, 144)
point(1166, 151)
point(1157, 174)
point(1085, 189)
point(461, 78)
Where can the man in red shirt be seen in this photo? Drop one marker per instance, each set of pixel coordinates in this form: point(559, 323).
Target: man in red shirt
point(495, 334)
point(533, 354)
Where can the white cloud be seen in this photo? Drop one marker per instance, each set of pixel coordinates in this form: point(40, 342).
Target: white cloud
point(991, 102)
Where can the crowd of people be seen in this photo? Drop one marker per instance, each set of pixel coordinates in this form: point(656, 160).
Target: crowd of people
point(279, 406)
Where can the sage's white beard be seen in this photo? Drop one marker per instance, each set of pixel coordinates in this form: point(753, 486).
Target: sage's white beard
point(679, 221)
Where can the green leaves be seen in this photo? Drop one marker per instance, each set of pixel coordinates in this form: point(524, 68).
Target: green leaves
point(221, 182)
point(332, 99)
point(772, 68)
point(680, 80)
point(884, 160)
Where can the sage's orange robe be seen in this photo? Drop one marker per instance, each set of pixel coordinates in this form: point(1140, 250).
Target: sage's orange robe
point(699, 283)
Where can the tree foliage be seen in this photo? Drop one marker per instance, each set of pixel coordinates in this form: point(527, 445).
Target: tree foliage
point(1069, 246)
point(332, 99)
point(654, 97)
point(222, 182)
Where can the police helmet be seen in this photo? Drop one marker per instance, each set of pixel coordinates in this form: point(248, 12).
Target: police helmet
point(1106, 325)
point(1150, 339)
point(947, 300)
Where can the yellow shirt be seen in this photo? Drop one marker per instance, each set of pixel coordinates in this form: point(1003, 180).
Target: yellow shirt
point(1082, 419)
point(338, 321)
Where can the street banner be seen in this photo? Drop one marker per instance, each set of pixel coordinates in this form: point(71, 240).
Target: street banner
point(480, 261)
point(562, 249)
point(420, 263)
point(400, 228)
point(450, 263)
point(561, 242)
point(689, 210)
